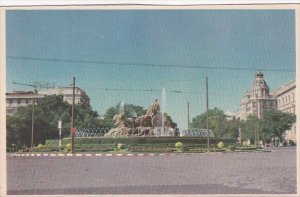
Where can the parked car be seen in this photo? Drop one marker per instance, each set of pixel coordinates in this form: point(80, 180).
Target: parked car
point(292, 143)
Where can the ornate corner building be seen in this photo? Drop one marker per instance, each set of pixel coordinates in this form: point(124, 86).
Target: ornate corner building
point(259, 99)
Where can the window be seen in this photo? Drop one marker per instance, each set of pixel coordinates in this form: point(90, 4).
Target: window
point(19, 101)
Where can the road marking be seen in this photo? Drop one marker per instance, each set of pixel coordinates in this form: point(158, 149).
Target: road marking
point(52, 155)
point(162, 154)
point(99, 155)
point(45, 154)
point(88, 155)
point(109, 155)
point(119, 155)
point(140, 154)
point(69, 155)
point(60, 155)
point(172, 154)
point(151, 155)
point(129, 155)
point(38, 155)
point(78, 155)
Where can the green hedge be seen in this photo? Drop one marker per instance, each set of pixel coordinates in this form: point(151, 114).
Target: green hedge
point(141, 140)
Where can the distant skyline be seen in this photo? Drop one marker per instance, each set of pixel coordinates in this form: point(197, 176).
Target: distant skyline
point(130, 52)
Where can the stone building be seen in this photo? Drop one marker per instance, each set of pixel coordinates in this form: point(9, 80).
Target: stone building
point(67, 93)
point(257, 99)
point(286, 101)
point(22, 98)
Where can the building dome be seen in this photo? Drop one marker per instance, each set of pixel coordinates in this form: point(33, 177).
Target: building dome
point(259, 74)
point(260, 88)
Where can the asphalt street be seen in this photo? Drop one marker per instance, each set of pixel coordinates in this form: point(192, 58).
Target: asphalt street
point(228, 173)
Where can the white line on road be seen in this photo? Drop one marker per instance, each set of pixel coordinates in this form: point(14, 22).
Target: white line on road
point(88, 155)
point(78, 155)
point(52, 155)
point(140, 154)
point(109, 155)
point(99, 155)
point(119, 155)
point(129, 155)
point(38, 155)
point(60, 155)
point(151, 154)
point(69, 155)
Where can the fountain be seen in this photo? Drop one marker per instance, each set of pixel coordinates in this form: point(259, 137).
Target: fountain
point(148, 124)
point(121, 107)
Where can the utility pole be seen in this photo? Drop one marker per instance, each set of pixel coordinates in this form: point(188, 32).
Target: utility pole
point(188, 115)
point(73, 128)
point(208, 145)
point(32, 114)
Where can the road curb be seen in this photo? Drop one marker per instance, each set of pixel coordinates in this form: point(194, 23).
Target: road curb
point(92, 154)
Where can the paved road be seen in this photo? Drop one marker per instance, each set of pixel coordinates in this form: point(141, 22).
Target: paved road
point(245, 173)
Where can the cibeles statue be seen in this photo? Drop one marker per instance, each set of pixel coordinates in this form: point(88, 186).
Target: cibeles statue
point(140, 126)
point(153, 109)
point(145, 120)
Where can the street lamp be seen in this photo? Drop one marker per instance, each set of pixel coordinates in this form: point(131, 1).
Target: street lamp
point(32, 114)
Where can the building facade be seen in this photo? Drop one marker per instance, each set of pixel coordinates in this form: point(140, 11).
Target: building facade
point(286, 101)
point(18, 99)
point(21, 98)
point(257, 99)
point(67, 93)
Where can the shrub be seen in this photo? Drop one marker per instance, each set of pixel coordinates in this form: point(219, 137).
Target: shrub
point(245, 144)
point(140, 140)
point(220, 145)
point(120, 146)
point(68, 147)
point(179, 145)
point(232, 148)
point(40, 146)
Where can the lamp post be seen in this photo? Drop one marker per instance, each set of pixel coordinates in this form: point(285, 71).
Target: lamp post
point(32, 114)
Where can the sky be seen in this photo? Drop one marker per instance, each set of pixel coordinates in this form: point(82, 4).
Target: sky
point(120, 55)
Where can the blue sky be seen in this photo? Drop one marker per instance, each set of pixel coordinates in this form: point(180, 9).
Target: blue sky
point(152, 49)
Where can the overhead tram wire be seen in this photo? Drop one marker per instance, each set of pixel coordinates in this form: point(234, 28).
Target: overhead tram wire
point(140, 90)
point(93, 62)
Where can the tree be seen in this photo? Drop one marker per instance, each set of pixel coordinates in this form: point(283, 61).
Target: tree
point(276, 122)
point(249, 127)
point(216, 121)
point(46, 116)
point(130, 111)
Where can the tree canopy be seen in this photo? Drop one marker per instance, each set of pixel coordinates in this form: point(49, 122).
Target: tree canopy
point(47, 113)
point(274, 123)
